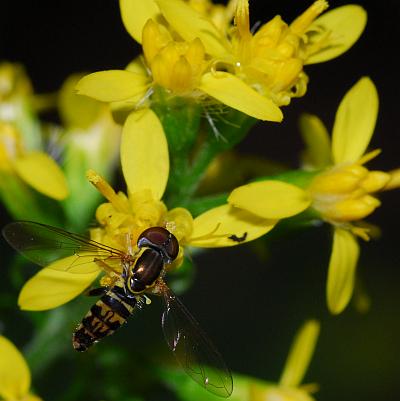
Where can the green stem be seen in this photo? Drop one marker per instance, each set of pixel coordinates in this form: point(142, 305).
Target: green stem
point(230, 131)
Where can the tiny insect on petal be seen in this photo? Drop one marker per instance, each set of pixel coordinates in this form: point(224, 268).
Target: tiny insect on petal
point(228, 226)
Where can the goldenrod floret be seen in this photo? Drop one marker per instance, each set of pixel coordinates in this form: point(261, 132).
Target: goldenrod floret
point(273, 58)
point(342, 194)
point(269, 34)
point(181, 78)
point(176, 66)
point(154, 38)
point(375, 181)
point(339, 181)
point(107, 215)
point(195, 54)
point(146, 210)
point(352, 209)
point(286, 75)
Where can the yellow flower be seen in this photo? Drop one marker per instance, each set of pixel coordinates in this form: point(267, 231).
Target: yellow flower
point(145, 165)
point(35, 168)
point(289, 387)
point(15, 378)
point(180, 66)
point(20, 155)
point(270, 60)
point(342, 190)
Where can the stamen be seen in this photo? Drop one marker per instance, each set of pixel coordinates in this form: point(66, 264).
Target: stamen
point(106, 190)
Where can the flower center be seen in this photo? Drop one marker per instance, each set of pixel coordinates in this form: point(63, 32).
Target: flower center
point(175, 65)
point(274, 55)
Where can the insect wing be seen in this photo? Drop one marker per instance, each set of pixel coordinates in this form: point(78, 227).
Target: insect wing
point(43, 245)
point(193, 349)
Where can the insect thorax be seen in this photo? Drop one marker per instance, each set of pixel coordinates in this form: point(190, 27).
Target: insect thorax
point(144, 271)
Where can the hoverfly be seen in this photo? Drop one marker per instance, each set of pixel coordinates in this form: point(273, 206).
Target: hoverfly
point(142, 273)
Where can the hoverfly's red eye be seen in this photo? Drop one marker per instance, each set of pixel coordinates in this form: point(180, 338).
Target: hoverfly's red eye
point(161, 239)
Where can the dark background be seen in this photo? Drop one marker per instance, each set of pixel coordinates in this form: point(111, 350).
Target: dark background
point(252, 308)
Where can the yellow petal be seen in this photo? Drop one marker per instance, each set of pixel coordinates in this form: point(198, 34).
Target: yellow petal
point(227, 226)
point(318, 145)
point(41, 172)
point(113, 85)
point(191, 25)
point(144, 153)
point(121, 109)
point(77, 111)
point(342, 268)
point(15, 378)
point(57, 284)
point(345, 25)
point(355, 122)
point(300, 354)
point(233, 92)
point(135, 14)
point(270, 199)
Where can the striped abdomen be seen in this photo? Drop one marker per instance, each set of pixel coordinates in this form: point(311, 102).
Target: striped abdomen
point(104, 317)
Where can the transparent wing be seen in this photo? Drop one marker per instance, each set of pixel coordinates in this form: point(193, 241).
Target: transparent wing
point(43, 244)
point(193, 349)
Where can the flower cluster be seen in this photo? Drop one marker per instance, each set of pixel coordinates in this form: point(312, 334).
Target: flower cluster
point(168, 121)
